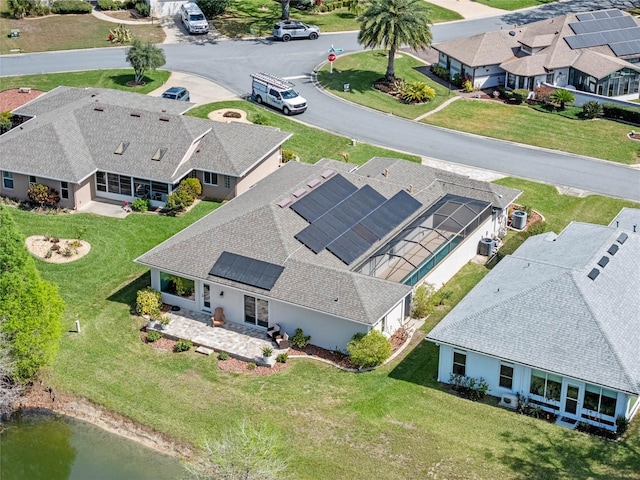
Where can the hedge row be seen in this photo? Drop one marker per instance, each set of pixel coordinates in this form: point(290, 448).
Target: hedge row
point(628, 114)
point(115, 4)
point(71, 6)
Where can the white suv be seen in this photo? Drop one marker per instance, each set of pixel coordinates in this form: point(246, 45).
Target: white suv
point(285, 31)
point(193, 18)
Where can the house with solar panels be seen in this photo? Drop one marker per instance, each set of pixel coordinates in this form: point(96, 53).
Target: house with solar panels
point(95, 143)
point(596, 52)
point(556, 322)
point(330, 248)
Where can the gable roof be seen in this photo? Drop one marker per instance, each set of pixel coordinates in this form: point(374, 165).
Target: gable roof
point(255, 226)
point(75, 132)
point(539, 307)
point(549, 36)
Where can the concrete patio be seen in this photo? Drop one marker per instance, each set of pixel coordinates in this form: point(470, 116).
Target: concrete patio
point(239, 341)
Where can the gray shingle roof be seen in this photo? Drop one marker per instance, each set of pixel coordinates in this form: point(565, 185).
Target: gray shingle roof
point(539, 308)
point(254, 225)
point(73, 135)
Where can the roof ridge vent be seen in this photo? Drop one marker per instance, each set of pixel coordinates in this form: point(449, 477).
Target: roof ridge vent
point(164, 119)
point(300, 192)
point(623, 237)
point(593, 274)
point(98, 108)
point(136, 114)
point(284, 202)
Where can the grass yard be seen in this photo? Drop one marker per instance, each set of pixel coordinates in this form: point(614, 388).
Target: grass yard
point(64, 32)
point(116, 79)
point(360, 70)
point(308, 143)
point(394, 423)
point(599, 138)
point(514, 4)
point(256, 17)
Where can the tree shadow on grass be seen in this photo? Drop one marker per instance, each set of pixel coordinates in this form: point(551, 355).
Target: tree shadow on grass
point(126, 294)
point(122, 80)
point(565, 454)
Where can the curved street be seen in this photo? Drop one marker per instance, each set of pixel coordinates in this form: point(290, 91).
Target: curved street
point(229, 63)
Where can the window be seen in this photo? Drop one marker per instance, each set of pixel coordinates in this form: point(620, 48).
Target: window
point(141, 188)
point(256, 311)
point(600, 400)
point(101, 181)
point(32, 180)
point(7, 180)
point(119, 184)
point(506, 376)
point(64, 190)
point(546, 385)
point(178, 286)
point(210, 178)
point(459, 363)
point(227, 181)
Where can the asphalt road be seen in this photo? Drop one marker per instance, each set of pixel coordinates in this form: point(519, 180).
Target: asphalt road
point(230, 62)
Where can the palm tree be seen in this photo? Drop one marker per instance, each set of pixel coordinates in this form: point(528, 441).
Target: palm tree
point(393, 23)
point(562, 96)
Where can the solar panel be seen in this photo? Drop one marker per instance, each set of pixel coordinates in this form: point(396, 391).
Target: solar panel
point(246, 270)
point(323, 198)
point(604, 25)
point(584, 17)
point(626, 48)
point(390, 214)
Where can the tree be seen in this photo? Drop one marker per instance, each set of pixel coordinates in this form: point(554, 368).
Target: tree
point(369, 350)
point(285, 6)
point(422, 304)
point(213, 8)
point(144, 56)
point(242, 453)
point(562, 96)
point(6, 123)
point(30, 308)
point(10, 390)
point(18, 8)
point(393, 23)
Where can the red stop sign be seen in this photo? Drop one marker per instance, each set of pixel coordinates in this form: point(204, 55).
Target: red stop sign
point(332, 57)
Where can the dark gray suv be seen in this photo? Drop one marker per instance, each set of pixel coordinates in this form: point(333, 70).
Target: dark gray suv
point(287, 30)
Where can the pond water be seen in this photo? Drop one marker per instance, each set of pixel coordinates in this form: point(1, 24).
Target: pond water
point(55, 447)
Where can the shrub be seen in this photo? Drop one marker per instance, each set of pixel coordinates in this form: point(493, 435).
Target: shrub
point(251, 366)
point(288, 155)
point(267, 352)
point(213, 8)
point(191, 186)
point(591, 109)
point(174, 204)
point(140, 205)
point(143, 9)
point(422, 304)
point(153, 336)
point(71, 6)
point(523, 92)
point(299, 339)
point(223, 356)
point(183, 346)
point(38, 193)
point(148, 302)
point(628, 114)
point(469, 387)
point(417, 92)
point(282, 357)
point(111, 5)
point(543, 94)
point(120, 34)
point(369, 350)
point(467, 86)
point(441, 72)
point(622, 425)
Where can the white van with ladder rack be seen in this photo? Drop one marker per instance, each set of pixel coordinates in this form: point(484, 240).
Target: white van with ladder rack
point(277, 92)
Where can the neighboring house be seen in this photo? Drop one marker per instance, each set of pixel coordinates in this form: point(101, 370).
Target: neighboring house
point(329, 248)
point(596, 52)
point(91, 143)
point(558, 322)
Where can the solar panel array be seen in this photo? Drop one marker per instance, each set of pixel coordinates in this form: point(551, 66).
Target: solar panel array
point(346, 220)
point(608, 27)
point(246, 270)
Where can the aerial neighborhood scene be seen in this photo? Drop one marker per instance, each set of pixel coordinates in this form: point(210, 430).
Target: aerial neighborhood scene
point(313, 239)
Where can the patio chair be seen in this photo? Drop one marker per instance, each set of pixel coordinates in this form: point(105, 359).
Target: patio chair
point(283, 342)
point(218, 319)
point(273, 331)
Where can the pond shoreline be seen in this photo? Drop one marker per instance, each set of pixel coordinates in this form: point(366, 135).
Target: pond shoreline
point(39, 399)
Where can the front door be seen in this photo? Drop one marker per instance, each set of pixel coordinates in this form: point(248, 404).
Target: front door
point(571, 399)
point(206, 297)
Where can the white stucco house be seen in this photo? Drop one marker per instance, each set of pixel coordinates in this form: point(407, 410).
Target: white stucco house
point(97, 143)
point(329, 248)
point(596, 52)
point(557, 322)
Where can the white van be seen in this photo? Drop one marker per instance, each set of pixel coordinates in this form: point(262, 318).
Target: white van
point(277, 92)
point(193, 18)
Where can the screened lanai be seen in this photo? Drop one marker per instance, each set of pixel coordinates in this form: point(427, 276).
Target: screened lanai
point(426, 241)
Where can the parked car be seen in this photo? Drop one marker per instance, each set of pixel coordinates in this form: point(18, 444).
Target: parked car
point(287, 30)
point(177, 93)
point(193, 18)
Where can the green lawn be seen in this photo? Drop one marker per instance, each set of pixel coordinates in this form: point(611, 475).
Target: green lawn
point(393, 423)
point(309, 144)
point(256, 17)
point(360, 70)
point(93, 78)
point(64, 32)
point(513, 4)
point(595, 138)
